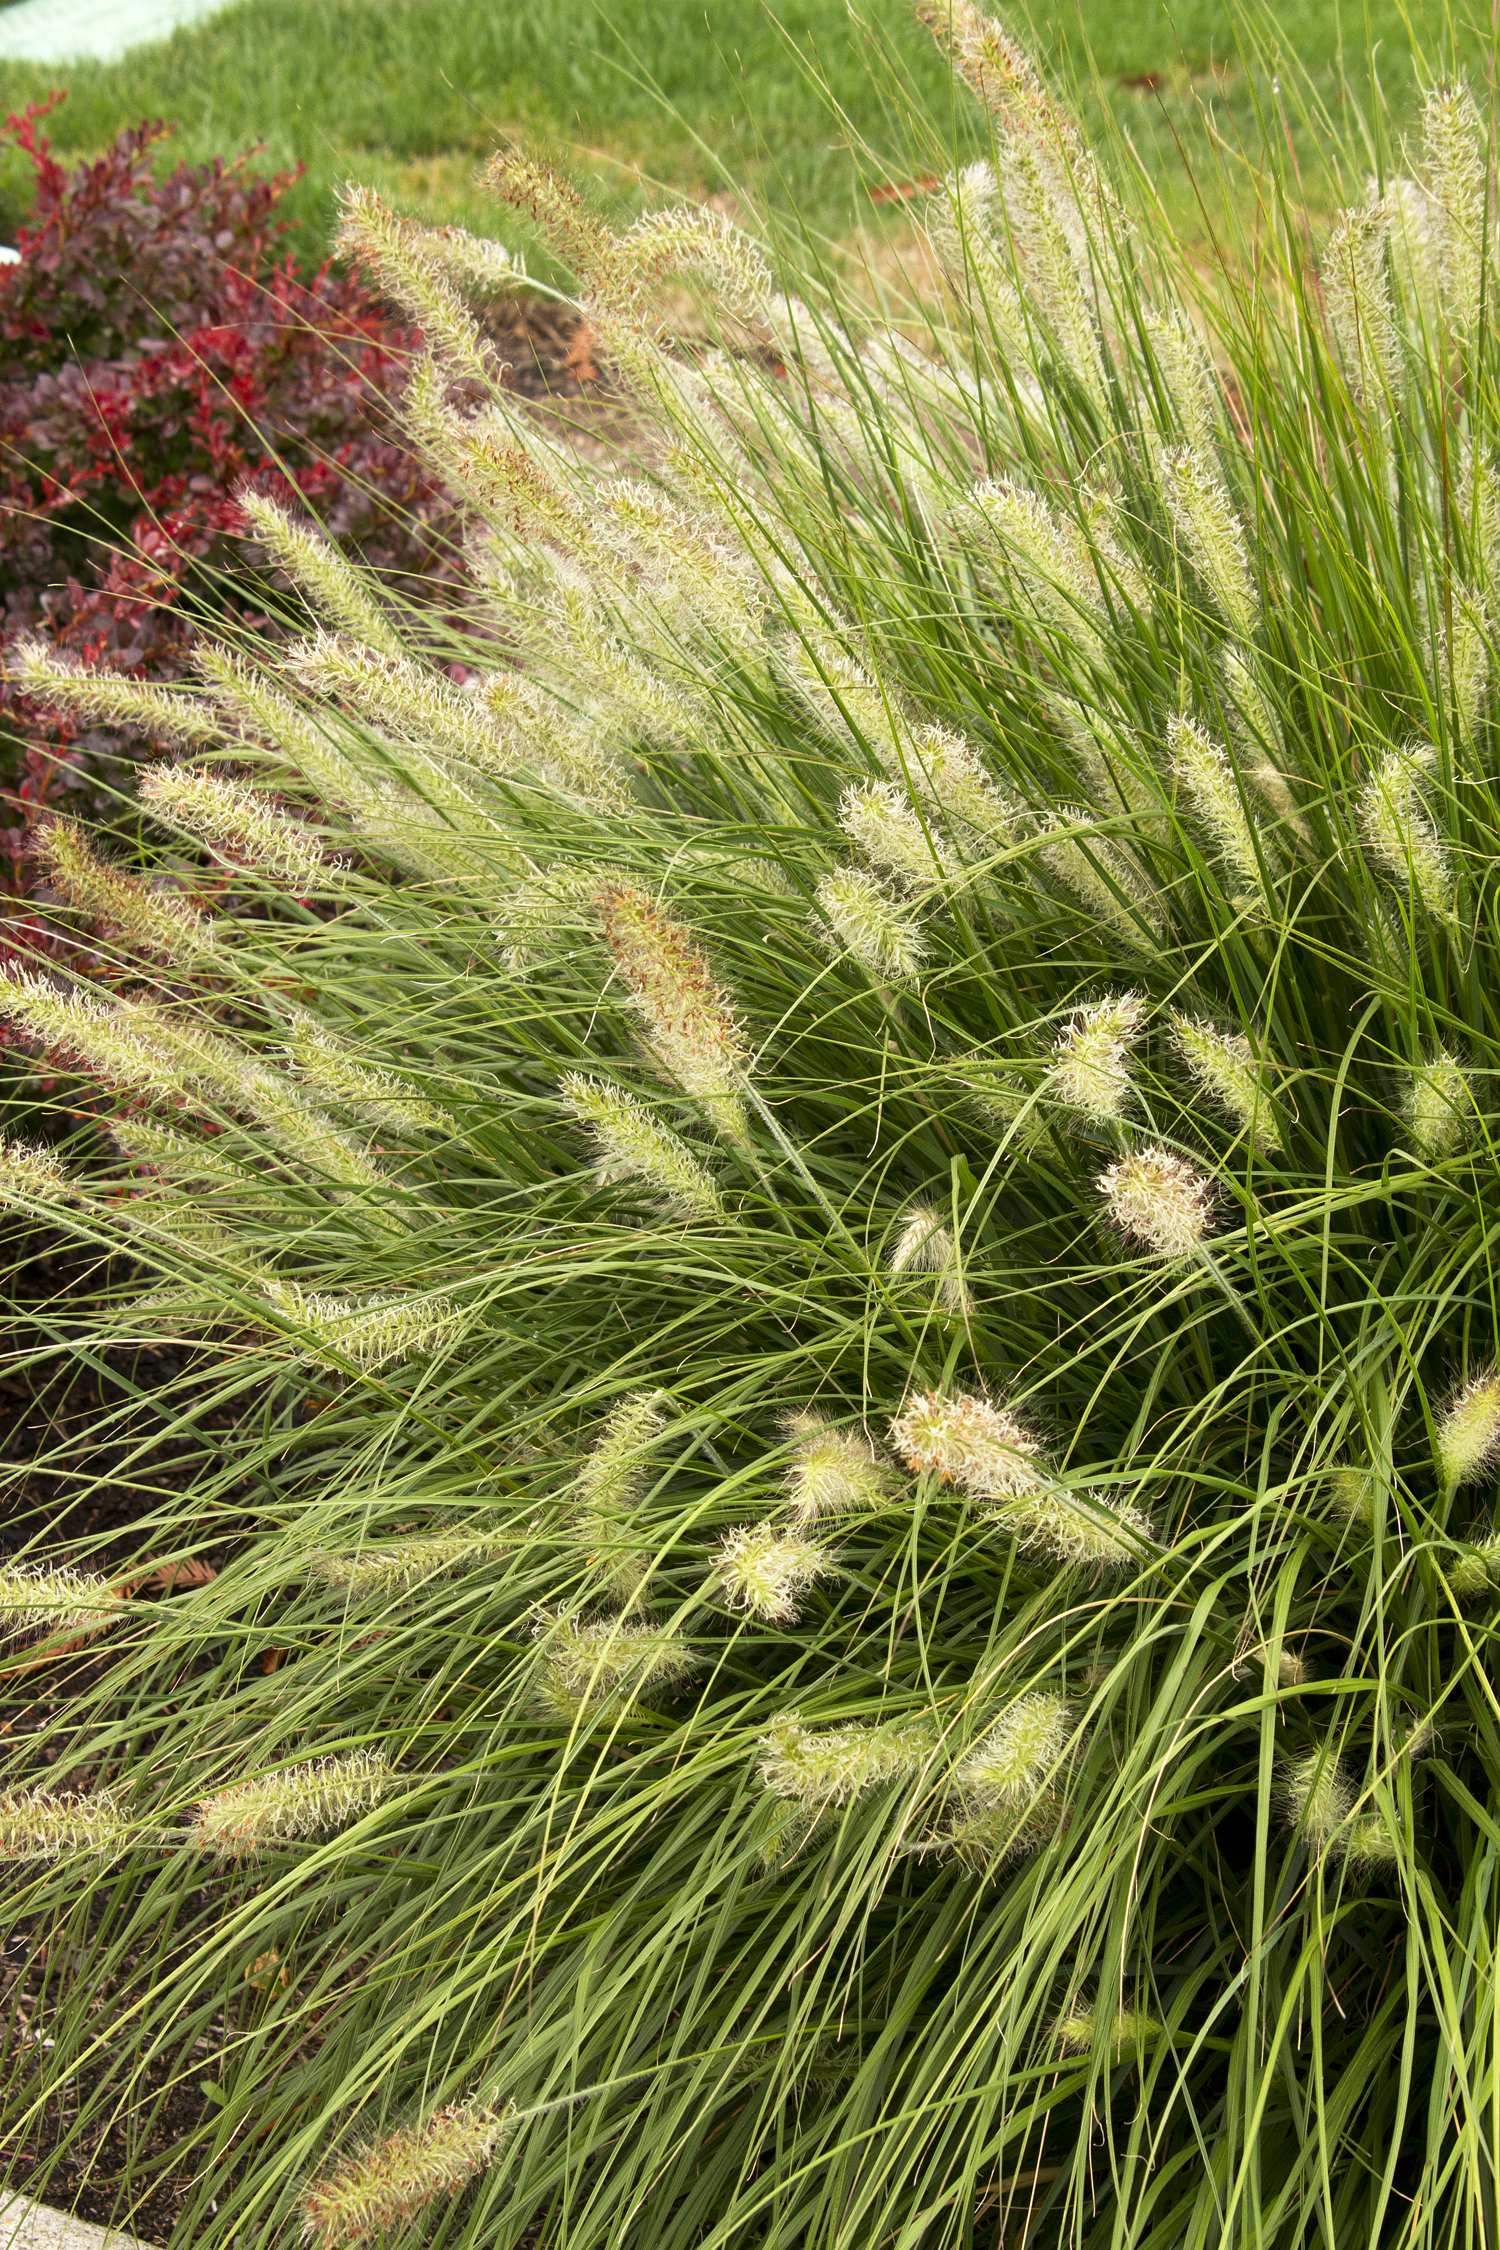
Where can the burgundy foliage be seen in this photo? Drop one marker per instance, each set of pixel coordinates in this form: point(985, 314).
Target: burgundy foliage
point(159, 346)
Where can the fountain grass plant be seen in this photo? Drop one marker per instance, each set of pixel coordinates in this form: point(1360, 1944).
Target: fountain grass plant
point(836, 1189)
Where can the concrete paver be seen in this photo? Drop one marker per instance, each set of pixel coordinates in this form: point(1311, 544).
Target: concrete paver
point(95, 30)
point(25, 2225)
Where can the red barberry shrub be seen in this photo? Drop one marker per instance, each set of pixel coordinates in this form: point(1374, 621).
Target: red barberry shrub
point(159, 346)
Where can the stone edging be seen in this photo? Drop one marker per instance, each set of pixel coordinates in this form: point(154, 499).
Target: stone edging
point(25, 2225)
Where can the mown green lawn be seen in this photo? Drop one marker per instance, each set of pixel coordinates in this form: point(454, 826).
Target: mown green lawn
point(412, 93)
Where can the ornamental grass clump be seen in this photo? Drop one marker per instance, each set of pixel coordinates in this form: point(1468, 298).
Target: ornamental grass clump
point(823, 1184)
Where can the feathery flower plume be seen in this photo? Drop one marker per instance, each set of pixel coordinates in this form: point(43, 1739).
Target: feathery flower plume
point(1318, 1798)
point(368, 1332)
point(1203, 767)
point(947, 772)
point(242, 691)
point(1464, 660)
point(1186, 375)
point(1214, 536)
point(1103, 877)
point(1054, 1524)
point(1060, 253)
point(689, 239)
point(878, 817)
point(401, 695)
point(974, 258)
point(344, 595)
point(1159, 1201)
point(128, 1042)
point(1131, 2032)
point(238, 822)
point(1351, 1494)
point(1414, 253)
point(1229, 1072)
point(112, 701)
point(1018, 1753)
point(763, 1570)
point(31, 1175)
point(176, 1157)
point(1370, 1844)
point(1400, 836)
point(477, 266)
point(43, 1598)
point(1438, 1105)
point(329, 1067)
point(1468, 1430)
point(1090, 1066)
point(833, 1472)
point(1459, 161)
point(554, 205)
point(1357, 292)
point(312, 1139)
point(1049, 557)
point(685, 560)
point(925, 1244)
point(832, 1767)
point(284, 1808)
point(372, 235)
point(148, 919)
point(690, 1026)
point(1478, 1568)
point(35, 1826)
point(571, 751)
point(633, 1144)
point(611, 1484)
point(967, 1441)
point(385, 1573)
point(865, 922)
point(581, 1662)
point(378, 2192)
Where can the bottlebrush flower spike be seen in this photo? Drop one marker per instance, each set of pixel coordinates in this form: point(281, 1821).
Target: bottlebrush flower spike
point(1318, 1798)
point(370, 1332)
point(1019, 1753)
point(584, 1661)
point(1478, 1568)
point(50, 1598)
point(32, 1175)
point(1400, 836)
point(1357, 292)
point(925, 1244)
point(34, 1826)
point(1213, 535)
point(1160, 1202)
point(689, 1019)
point(287, 1807)
point(1090, 1070)
point(370, 2196)
point(833, 1765)
point(865, 921)
point(879, 818)
point(237, 823)
point(330, 581)
point(1131, 2032)
point(635, 1145)
point(763, 1570)
point(107, 699)
point(1459, 158)
point(1226, 1067)
point(1106, 1536)
point(1468, 1431)
point(1438, 1106)
point(149, 919)
point(967, 1441)
point(1204, 769)
point(385, 1573)
point(833, 1472)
